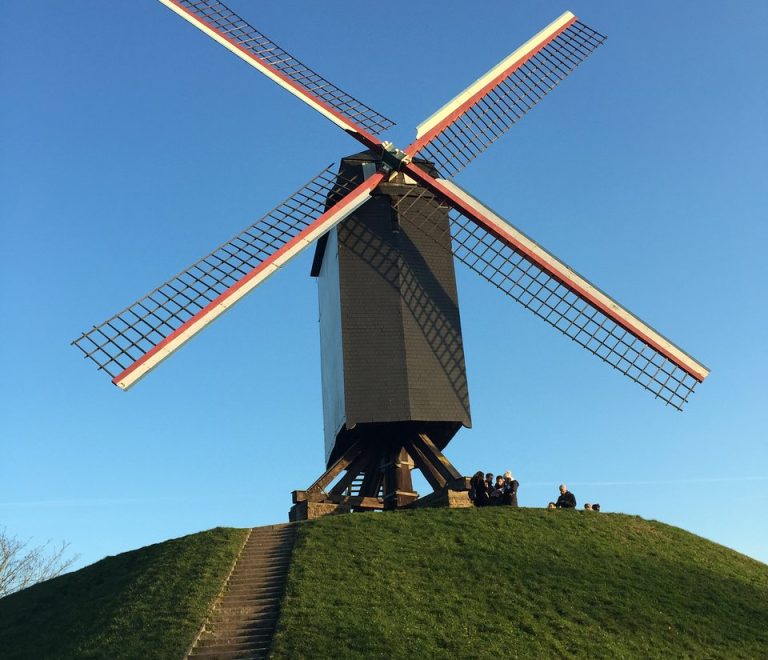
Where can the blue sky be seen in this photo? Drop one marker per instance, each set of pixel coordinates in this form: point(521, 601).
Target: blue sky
point(131, 145)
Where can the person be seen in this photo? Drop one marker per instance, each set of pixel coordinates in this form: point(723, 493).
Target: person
point(567, 500)
point(510, 489)
point(478, 490)
point(497, 494)
point(473, 487)
point(587, 507)
point(489, 481)
point(551, 505)
point(595, 507)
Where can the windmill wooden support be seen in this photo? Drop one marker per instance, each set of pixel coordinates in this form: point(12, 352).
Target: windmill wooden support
point(387, 227)
point(383, 469)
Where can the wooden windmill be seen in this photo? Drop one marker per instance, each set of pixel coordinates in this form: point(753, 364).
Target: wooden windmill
point(387, 227)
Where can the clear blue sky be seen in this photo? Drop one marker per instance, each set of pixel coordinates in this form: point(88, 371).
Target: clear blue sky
point(131, 145)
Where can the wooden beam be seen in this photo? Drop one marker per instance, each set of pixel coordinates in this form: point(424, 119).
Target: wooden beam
point(332, 472)
point(436, 457)
point(430, 472)
point(373, 478)
point(355, 468)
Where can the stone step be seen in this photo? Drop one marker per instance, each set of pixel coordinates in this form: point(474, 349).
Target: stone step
point(274, 536)
point(272, 553)
point(267, 607)
point(255, 581)
point(258, 578)
point(256, 605)
point(270, 540)
point(245, 601)
point(262, 560)
point(252, 571)
point(261, 638)
point(248, 589)
point(259, 588)
point(252, 574)
point(258, 650)
point(243, 623)
point(246, 619)
point(256, 568)
point(260, 531)
point(261, 566)
point(277, 551)
point(264, 599)
point(240, 628)
point(234, 646)
point(275, 544)
point(250, 654)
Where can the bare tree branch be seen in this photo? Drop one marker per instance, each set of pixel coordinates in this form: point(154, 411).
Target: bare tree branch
point(22, 565)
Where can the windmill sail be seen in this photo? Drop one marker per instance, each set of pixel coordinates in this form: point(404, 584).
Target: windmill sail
point(135, 340)
point(546, 286)
point(231, 31)
point(467, 125)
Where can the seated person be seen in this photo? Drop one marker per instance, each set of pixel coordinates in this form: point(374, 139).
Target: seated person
point(478, 490)
point(566, 499)
point(497, 494)
point(510, 489)
point(588, 506)
point(595, 507)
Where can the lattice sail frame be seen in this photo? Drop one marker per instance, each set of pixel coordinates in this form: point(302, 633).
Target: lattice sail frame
point(553, 300)
point(466, 126)
point(452, 137)
point(237, 35)
point(210, 286)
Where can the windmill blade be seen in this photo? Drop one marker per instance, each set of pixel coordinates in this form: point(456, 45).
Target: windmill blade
point(231, 31)
point(526, 272)
point(131, 343)
point(467, 125)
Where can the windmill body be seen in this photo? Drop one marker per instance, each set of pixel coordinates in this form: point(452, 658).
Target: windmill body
point(390, 332)
point(388, 228)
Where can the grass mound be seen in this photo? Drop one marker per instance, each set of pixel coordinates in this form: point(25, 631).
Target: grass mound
point(517, 583)
point(148, 603)
point(422, 584)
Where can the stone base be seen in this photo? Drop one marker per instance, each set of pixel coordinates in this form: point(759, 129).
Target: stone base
point(456, 497)
point(311, 510)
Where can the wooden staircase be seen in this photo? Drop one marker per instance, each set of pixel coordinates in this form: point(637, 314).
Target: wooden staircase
point(243, 621)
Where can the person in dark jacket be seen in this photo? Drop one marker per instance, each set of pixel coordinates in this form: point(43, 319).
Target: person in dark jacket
point(479, 490)
point(510, 489)
point(497, 494)
point(567, 500)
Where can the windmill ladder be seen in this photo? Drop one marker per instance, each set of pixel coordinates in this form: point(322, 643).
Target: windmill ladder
point(242, 623)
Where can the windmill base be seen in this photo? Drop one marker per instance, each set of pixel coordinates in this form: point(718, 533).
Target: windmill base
point(379, 478)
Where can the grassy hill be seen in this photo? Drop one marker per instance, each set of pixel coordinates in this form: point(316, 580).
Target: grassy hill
point(148, 603)
point(502, 582)
point(426, 584)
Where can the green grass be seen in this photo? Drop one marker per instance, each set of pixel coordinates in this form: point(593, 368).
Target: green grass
point(462, 584)
point(503, 582)
point(148, 603)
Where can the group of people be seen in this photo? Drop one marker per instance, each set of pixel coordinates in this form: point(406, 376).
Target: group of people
point(567, 500)
point(484, 490)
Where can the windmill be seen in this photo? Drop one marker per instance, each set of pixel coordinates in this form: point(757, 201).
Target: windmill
point(387, 227)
